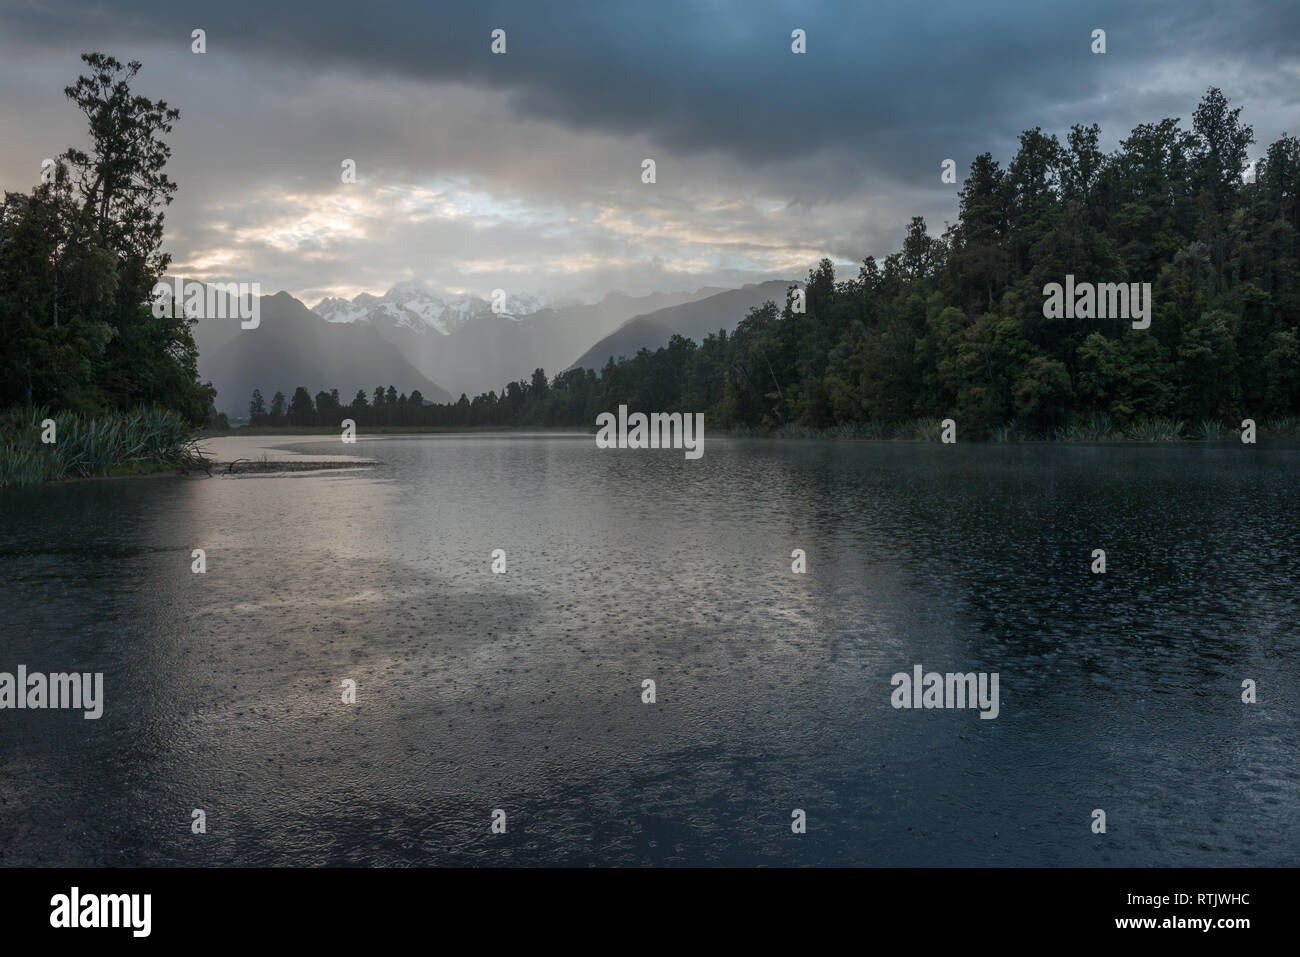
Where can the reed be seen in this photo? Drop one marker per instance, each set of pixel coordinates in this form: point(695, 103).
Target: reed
point(1091, 428)
point(920, 430)
point(141, 440)
point(1155, 429)
point(1209, 430)
point(1281, 425)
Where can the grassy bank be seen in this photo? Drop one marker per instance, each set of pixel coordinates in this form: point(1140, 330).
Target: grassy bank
point(116, 443)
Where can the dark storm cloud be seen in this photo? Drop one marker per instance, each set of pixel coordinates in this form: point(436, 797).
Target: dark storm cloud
point(767, 159)
point(881, 79)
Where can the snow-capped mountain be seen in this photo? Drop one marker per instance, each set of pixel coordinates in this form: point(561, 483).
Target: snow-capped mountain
point(293, 346)
point(414, 305)
point(457, 341)
point(340, 310)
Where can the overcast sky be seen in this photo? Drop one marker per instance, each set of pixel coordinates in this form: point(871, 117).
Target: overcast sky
point(522, 171)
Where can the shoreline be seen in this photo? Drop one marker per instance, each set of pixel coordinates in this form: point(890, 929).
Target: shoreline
point(1227, 438)
point(262, 458)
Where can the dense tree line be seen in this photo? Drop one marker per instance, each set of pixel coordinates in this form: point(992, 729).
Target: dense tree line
point(568, 400)
point(79, 257)
point(953, 325)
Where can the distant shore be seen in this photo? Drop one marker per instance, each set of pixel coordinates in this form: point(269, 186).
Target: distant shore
point(243, 451)
point(380, 429)
point(920, 431)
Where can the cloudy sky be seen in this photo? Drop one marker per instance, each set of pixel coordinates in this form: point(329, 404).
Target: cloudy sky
point(522, 171)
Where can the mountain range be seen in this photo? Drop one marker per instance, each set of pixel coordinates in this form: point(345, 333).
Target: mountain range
point(694, 320)
point(460, 343)
point(293, 346)
point(417, 306)
point(413, 337)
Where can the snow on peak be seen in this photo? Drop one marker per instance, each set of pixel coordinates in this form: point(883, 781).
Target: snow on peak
point(416, 305)
point(339, 310)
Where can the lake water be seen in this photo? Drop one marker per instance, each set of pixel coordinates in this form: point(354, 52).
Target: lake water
point(522, 691)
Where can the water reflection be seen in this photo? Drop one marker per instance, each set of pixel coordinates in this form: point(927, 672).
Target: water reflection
point(522, 691)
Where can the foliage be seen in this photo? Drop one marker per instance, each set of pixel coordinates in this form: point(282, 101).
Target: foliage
point(952, 326)
point(144, 439)
point(79, 257)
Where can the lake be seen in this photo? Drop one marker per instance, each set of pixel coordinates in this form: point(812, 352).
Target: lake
point(522, 691)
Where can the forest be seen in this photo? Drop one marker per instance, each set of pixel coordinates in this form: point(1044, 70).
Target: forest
point(91, 383)
point(79, 257)
point(953, 325)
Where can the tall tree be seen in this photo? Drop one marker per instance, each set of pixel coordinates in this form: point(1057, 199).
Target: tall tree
point(81, 335)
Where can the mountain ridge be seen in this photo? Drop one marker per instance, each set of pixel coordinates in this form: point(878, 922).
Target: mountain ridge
point(293, 346)
point(694, 320)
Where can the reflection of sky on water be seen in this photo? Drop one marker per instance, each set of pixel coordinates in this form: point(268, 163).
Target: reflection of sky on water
point(522, 691)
